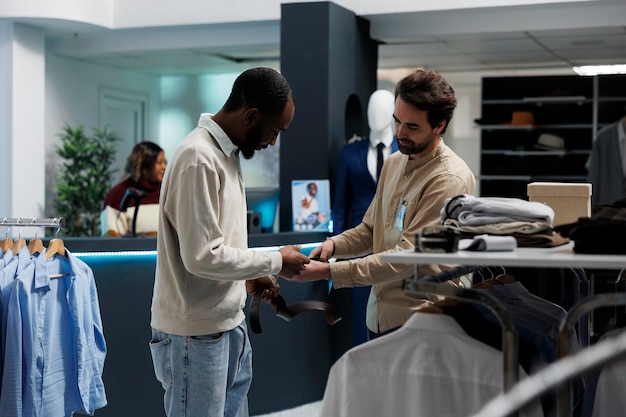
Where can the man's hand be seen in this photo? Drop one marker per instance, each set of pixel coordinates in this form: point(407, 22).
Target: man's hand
point(324, 251)
point(293, 261)
point(266, 288)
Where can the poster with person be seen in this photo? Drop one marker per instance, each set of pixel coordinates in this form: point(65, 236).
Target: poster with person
point(310, 205)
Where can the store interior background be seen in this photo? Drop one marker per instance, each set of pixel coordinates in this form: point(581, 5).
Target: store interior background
point(152, 66)
point(169, 61)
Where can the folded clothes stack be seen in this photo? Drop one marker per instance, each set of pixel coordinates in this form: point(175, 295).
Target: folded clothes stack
point(529, 222)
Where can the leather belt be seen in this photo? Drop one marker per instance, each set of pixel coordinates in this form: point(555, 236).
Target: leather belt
point(331, 312)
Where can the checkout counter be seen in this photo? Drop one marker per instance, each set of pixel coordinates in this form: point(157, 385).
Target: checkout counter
point(291, 360)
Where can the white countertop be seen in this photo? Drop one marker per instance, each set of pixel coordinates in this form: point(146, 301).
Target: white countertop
point(557, 257)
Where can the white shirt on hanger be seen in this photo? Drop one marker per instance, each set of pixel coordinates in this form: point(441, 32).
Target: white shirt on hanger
point(429, 367)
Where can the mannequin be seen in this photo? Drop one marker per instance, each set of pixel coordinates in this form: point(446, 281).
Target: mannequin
point(355, 184)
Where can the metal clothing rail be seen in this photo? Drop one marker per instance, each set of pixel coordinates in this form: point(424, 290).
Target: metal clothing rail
point(566, 329)
point(57, 222)
point(432, 284)
point(554, 375)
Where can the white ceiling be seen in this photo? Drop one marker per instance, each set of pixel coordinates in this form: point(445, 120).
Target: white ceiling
point(536, 37)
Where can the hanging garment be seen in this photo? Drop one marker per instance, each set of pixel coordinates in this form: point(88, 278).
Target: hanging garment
point(428, 367)
point(609, 398)
point(605, 166)
point(55, 346)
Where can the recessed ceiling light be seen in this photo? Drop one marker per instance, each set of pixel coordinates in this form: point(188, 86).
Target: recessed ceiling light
point(600, 69)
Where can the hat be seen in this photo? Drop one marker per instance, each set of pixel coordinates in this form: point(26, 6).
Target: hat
point(523, 118)
point(550, 142)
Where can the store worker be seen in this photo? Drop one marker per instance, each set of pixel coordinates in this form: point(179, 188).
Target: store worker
point(200, 347)
point(410, 194)
point(144, 170)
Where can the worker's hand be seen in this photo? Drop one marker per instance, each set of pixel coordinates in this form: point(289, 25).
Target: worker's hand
point(314, 271)
point(324, 251)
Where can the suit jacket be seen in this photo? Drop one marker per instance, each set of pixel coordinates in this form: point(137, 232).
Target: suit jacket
point(354, 185)
point(605, 166)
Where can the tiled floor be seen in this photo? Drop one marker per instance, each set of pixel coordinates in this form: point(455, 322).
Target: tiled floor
point(307, 410)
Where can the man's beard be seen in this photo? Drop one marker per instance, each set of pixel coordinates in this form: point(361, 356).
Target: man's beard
point(252, 142)
point(414, 149)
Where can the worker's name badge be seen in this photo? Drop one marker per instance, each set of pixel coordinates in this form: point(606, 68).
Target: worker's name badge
point(400, 215)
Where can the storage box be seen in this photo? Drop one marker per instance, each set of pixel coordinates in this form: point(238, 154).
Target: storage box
point(569, 201)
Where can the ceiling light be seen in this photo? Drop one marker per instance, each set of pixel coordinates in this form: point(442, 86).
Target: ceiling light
point(600, 69)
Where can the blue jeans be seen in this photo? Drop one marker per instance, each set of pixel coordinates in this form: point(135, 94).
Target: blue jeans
point(206, 375)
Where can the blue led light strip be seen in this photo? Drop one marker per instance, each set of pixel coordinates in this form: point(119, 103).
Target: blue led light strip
point(145, 253)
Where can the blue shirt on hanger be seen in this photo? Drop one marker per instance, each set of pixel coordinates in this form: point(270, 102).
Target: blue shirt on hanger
point(63, 349)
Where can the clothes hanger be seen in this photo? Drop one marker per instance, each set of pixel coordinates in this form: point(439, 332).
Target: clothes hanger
point(429, 307)
point(505, 278)
point(483, 286)
point(7, 242)
point(19, 243)
point(35, 245)
point(55, 246)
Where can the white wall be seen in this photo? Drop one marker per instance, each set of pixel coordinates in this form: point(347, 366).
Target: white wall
point(6, 110)
point(72, 96)
point(21, 123)
point(183, 99)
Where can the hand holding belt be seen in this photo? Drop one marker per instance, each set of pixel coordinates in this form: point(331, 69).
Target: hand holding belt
point(286, 313)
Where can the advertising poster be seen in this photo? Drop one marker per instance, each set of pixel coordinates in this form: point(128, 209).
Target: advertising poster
point(310, 205)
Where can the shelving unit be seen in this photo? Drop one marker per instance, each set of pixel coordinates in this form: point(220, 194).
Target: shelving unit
point(571, 107)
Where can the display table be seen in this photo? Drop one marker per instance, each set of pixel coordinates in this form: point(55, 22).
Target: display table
point(557, 257)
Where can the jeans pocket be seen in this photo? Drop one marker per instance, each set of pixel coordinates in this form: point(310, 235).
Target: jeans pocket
point(160, 351)
point(207, 338)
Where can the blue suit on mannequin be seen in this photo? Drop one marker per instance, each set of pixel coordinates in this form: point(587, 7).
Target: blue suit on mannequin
point(355, 185)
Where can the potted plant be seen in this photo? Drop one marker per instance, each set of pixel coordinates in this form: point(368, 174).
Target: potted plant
point(84, 178)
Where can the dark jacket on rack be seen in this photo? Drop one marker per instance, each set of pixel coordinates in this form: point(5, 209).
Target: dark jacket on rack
point(603, 232)
point(605, 172)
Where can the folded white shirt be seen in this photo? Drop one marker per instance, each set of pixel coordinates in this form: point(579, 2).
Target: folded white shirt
point(488, 243)
point(476, 211)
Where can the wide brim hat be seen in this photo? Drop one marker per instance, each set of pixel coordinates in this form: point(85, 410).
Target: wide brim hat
point(550, 142)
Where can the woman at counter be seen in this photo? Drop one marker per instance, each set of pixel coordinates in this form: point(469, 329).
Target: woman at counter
point(140, 187)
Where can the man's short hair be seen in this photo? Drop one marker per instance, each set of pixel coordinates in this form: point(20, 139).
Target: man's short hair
point(262, 88)
point(428, 91)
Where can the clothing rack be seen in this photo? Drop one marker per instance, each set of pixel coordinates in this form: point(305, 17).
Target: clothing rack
point(602, 353)
point(566, 330)
point(566, 368)
point(57, 222)
point(431, 284)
